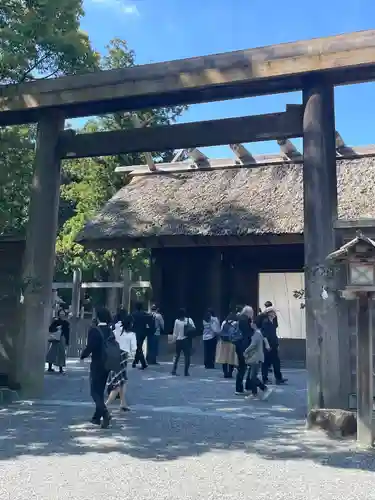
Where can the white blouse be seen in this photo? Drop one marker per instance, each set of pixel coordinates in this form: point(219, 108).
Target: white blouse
point(127, 340)
point(179, 328)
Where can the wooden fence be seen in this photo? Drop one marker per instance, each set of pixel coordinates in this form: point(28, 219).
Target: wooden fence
point(78, 337)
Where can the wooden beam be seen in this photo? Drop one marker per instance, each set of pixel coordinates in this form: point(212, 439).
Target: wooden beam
point(288, 149)
point(185, 241)
point(185, 135)
point(243, 154)
point(179, 156)
point(99, 284)
point(354, 224)
point(340, 143)
point(225, 163)
point(344, 58)
point(341, 148)
point(197, 157)
point(139, 124)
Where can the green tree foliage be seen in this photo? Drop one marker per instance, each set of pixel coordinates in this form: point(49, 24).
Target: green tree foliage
point(38, 39)
point(16, 170)
point(93, 181)
point(41, 38)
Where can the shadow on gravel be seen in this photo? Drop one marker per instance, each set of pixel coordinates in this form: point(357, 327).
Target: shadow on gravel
point(273, 429)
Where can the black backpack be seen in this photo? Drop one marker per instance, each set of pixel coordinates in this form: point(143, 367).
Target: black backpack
point(111, 352)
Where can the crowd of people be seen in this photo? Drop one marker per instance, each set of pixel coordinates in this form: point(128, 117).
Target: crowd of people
point(242, 343)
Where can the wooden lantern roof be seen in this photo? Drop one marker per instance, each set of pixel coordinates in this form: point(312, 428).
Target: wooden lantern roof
point(360, 246)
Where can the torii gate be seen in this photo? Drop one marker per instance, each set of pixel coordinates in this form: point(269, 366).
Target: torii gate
point(313, 66)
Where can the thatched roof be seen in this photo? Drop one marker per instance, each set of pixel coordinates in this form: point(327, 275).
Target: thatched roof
point(240, 201)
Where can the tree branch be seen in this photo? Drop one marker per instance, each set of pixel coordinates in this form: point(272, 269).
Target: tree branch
point(51, 74)
point(34, 66)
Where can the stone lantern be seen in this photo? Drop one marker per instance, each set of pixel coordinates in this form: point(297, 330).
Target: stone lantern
point(358, 256)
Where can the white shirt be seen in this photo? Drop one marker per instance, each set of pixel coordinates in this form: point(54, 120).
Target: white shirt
point(127, 340)
point(211, 328)
point(159, 322)
point(179, 328)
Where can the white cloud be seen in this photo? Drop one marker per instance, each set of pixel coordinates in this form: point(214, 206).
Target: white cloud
point(129, 9)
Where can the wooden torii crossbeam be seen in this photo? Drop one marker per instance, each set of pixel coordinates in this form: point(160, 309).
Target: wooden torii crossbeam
point(242, 161)
point(265, 127)
point(347, 58)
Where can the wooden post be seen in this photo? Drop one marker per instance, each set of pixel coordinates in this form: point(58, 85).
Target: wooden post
point(156, 276)
point(76, 292)
point(320, 211)
point(346, 331)
point(364, 371)
point(127, 279)
point(75, 307)
point(40, 252)
point(113, 294)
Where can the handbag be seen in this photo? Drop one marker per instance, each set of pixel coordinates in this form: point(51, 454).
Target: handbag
point(55, 336)
point(189, 330)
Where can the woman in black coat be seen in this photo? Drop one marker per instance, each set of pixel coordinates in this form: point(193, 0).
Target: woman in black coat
point(58, 342)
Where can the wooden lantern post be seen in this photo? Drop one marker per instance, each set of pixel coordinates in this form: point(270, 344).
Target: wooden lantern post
point(359, 257)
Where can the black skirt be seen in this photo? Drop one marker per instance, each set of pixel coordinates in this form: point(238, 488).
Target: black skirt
point(118, 379)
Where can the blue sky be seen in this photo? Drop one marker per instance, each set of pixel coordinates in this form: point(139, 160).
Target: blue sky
point(161, 30)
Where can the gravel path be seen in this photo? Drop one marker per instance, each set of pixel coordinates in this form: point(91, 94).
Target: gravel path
point(186, 438)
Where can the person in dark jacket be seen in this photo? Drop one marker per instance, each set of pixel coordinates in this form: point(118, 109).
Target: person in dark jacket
point(268, 324)
point(153, 340)
point(97, 335)
point(143, 327)
point(245, 319)
point(56, 352)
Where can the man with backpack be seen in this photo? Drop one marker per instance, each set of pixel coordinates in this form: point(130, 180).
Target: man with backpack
point(105, 357)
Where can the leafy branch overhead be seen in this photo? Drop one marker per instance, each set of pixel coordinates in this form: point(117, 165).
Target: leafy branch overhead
point(42, 39)
point(91, 182)
point(38, 39)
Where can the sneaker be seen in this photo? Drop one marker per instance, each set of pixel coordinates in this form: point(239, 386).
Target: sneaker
point(95, 421)
point(238, 393)
point(187, 374)
point(175, 374)
point(251, 396)
point(124, 408)
point(265, 394)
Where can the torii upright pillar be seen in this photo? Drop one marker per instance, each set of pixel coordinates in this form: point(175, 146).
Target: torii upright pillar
point(320, 212)
point(40, 254)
